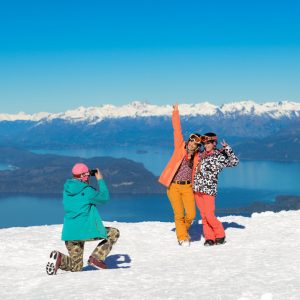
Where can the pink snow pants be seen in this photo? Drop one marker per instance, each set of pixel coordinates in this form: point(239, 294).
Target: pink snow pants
point(212, 227)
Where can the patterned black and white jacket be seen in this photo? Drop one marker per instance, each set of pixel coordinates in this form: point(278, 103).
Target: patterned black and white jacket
point(209, 167)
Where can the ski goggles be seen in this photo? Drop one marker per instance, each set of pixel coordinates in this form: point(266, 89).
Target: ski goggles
point(208, 139)
point(195, 138)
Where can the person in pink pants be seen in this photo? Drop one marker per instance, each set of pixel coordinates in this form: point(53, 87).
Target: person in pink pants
point(211, 162)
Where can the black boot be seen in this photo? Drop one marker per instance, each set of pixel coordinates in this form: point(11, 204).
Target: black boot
point(220, 241)
point(209, 243)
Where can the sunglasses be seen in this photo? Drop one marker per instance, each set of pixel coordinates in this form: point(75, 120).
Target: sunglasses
point(82, 175)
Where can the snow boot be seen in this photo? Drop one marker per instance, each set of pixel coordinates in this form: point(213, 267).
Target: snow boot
point(99, 264)
point(53, 263)
point(220, 241)
point(184, 243)
point(209, 243)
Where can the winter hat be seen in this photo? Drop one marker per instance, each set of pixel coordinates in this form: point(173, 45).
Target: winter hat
point(81, 171)
point(210, 136)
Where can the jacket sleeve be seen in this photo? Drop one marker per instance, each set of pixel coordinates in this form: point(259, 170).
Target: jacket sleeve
point(178, 137)
point(101, 196)
point(228, 158)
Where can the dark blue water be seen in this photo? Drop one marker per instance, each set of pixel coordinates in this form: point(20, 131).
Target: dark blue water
point(33, 210)
point(41, 210)
point(238, 187)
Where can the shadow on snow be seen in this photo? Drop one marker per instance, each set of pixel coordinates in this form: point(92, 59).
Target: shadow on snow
point(115, 261)
point(196, 229)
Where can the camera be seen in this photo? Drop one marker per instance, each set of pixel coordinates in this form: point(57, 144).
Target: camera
point(93, 172)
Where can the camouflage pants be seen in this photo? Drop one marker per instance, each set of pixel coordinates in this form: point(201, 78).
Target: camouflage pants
point(74, 262)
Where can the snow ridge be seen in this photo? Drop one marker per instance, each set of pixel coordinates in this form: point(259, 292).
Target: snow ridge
point(274, 110)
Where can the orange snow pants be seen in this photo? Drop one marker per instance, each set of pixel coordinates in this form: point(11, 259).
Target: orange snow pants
point(182, 200)
point(212, 227)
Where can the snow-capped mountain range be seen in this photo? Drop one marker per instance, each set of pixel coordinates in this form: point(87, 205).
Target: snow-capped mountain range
point(257, 131)
point(274, 110)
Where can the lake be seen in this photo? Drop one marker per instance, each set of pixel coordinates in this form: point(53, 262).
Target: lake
point(250, 181)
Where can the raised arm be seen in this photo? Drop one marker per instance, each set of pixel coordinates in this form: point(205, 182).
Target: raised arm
point(102, 195)
point(231, 160)
point(178, 137)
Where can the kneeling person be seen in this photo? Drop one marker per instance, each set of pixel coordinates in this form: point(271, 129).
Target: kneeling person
point(83, 223)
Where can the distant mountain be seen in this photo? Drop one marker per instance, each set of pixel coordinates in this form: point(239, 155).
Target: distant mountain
point(281, 146)
point(257, 131)
point(275, 110)
point(32, 173)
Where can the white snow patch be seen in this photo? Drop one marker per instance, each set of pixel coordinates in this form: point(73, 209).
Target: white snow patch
point(259, 261)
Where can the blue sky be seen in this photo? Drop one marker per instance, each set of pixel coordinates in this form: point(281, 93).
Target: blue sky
point(58, 55)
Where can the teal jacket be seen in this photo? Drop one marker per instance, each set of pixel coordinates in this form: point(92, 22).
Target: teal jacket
point(82, 220)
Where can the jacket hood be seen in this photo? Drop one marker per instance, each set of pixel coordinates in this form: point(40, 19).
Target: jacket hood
point(73, 187)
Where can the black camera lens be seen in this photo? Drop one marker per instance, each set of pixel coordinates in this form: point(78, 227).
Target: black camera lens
point(93, 172)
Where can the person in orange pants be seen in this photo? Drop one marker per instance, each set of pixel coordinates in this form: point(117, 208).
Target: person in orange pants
point(211, 162)
point(213, 229)
point(183, 204)
point(178, 176)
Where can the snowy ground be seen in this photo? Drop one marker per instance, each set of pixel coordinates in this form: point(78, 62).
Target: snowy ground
point(261, 260)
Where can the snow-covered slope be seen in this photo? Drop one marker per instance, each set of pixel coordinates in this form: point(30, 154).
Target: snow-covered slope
point(141, 109)
point(260, 261)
